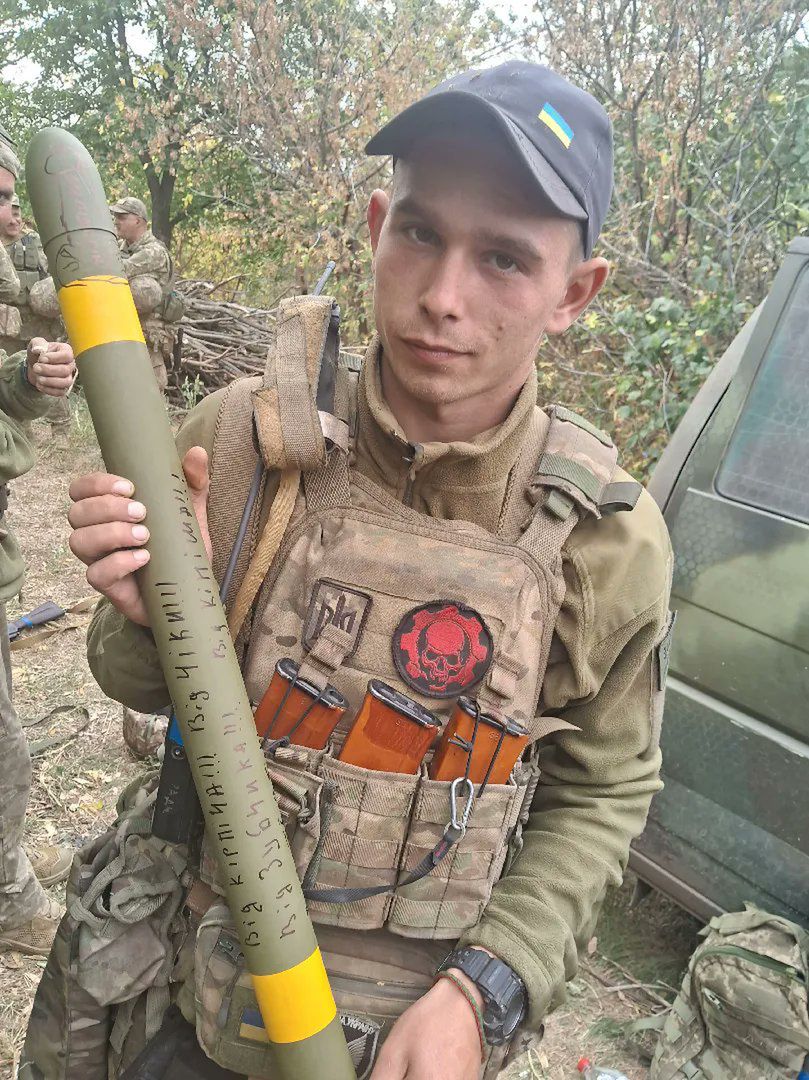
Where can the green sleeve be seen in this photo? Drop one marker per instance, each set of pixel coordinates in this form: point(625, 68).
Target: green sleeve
point(18, 401)
point(124, 662)
point(123, 656)
point(597, 783)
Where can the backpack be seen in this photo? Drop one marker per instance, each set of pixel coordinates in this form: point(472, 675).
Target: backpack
point(742, 1012)
point(172, 304)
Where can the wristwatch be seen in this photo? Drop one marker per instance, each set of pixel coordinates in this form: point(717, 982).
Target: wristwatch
point(503, 991)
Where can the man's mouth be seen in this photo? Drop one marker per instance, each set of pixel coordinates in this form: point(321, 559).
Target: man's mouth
point(434, 350)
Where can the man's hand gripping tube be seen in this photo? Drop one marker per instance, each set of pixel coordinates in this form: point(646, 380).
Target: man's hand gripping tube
point(189, 625)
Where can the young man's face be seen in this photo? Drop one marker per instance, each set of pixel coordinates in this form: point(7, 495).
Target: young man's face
point(7, 211)
point(470, 272)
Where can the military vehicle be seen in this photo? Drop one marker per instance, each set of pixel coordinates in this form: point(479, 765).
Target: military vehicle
point(733, 821)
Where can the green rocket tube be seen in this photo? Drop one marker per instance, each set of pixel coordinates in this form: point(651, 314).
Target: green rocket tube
point(189, 625)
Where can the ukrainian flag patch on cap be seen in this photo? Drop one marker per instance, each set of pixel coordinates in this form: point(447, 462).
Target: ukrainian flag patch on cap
point(561, 129)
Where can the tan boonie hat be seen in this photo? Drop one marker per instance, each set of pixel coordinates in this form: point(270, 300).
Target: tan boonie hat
point(130, 205)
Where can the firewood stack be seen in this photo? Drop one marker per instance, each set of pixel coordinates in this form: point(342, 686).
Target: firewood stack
point(220, 339)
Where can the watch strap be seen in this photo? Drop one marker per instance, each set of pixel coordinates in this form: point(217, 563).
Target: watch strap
point(498, 983)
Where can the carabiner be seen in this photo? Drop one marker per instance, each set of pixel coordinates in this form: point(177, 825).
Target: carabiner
point(461, 823)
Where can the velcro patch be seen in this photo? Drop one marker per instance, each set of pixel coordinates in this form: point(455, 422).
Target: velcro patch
point(345, 608)
point(362, 1038)
point(442, 649)
point(251, 1026)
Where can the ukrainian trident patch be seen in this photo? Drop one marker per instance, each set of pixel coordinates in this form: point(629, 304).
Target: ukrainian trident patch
point(442, 649)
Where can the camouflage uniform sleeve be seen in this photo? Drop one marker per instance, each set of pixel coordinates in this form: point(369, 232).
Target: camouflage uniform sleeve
point(123, 656)
point(597, 783)
point(9, 282)
point(18, 399)
point(152, 259)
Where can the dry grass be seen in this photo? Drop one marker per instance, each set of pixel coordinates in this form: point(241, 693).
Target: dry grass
point(76, 785)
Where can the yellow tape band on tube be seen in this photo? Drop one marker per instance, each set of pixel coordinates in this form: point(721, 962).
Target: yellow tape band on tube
point(297, 1003)
point(98, 311)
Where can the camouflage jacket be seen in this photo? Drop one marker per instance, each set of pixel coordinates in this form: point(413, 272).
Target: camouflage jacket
point(602, 676)
point(147, 256)
point(9, 282)
point(18, 401)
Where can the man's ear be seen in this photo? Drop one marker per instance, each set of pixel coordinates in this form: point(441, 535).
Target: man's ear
point(377, 212)
point(583, 285)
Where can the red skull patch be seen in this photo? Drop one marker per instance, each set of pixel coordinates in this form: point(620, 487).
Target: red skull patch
point(442, 649)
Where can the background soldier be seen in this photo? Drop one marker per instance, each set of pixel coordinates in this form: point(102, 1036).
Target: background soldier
point(150, 270)
point(30, 265)
point(28, 384)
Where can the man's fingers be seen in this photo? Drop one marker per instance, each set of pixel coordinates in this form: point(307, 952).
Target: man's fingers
point(100, 483)
point(94, 541)
point(105, 574)
point(105, 508)
point(54, 371)
point(122, 592)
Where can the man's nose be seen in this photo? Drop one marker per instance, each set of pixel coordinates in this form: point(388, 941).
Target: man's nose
point(443, 296)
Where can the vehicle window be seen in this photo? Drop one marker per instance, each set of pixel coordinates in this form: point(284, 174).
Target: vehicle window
point(767, 462)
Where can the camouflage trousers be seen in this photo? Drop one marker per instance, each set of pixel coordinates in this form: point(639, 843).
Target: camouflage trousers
point(21, 895)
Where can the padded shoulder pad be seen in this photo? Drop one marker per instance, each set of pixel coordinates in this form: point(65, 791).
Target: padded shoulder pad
point(297, 393)
point(576, 464)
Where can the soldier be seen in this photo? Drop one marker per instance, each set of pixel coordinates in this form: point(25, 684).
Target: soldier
point(458, 541)
point(19, 327)
point(148, 266)
point(28, 383)
point(9, 167)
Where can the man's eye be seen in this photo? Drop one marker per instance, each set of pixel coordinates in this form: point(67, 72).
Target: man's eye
point(503, 262)
point(421, 234)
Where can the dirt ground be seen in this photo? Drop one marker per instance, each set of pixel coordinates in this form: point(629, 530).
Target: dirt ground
point(81, 763)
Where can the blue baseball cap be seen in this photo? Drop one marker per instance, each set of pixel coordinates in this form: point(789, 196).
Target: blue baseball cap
point(559, 132)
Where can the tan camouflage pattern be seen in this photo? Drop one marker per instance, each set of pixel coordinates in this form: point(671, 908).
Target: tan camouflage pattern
point(68, 1031)
point(160, 343)
point(743, 1009)
point(398, 559)
point(21, 895)
point(9, 282)
point(144, 733)
point(147, 256)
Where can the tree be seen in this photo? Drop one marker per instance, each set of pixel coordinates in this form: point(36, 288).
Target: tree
point(129, 83)
point(710, 103)
point(301, 88)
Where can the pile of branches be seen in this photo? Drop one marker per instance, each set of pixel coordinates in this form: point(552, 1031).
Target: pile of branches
point(220, 339)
